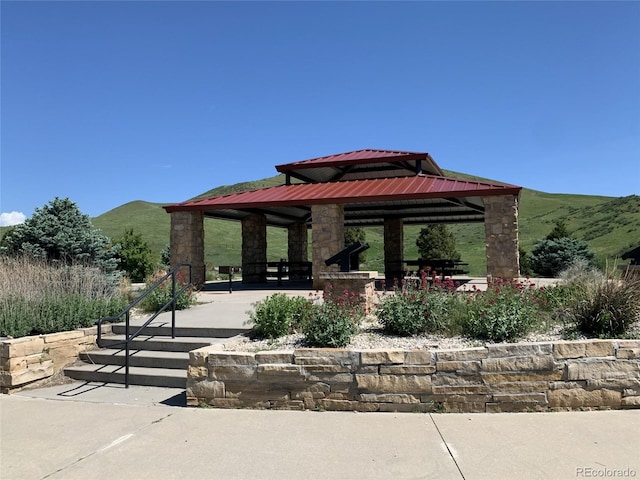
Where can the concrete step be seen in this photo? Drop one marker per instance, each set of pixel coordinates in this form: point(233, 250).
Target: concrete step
point(156, 359)
point(164, 329)
point(138, 358)
point(153, 377)
point(168, 344)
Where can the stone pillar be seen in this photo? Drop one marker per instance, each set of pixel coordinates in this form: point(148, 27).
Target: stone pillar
point(327, 236)
point(361, 283)
point(393, 249)
point(254, 249)
point(501, 235)
point(187, 242)
point(298, 245)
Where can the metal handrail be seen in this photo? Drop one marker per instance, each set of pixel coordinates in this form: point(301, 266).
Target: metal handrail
point(127, 314)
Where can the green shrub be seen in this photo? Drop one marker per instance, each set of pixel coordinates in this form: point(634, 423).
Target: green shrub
point(134, 256)
point(414, 311)
point(600, 304)
point(335, 321)
point(161, 295)
point(329, 326)
point(549, 299)
point(505, 312)
point(278, 315)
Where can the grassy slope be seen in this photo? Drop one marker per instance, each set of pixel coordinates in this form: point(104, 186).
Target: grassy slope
point(609, 225)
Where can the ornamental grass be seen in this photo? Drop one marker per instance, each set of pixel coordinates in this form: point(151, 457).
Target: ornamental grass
point(38, 297)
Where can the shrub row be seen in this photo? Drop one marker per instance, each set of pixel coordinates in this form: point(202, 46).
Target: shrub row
point(161, 295)
point(587, 303)
point(330, 323)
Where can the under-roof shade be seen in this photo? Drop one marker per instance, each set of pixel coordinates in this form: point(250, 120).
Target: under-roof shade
point(417, 199)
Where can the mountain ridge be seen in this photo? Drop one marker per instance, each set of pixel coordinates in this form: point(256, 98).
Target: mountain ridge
point(610, 225)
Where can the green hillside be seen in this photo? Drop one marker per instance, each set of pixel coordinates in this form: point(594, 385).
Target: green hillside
point(609, 225)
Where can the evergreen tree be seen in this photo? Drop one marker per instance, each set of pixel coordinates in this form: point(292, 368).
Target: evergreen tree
point(59, 231)
point(559, 231)
point(525, 262)
point(5, 244)
point(436, 242)
point(353, 235)
point(550, 257)
point(558, 251)
point(165, 256)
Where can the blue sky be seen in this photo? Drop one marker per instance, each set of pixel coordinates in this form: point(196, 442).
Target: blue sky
point(110, 102)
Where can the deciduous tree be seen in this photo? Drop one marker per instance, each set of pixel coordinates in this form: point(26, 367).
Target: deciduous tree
point(136, 258)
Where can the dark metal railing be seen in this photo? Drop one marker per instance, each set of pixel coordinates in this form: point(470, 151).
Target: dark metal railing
point(127, 313)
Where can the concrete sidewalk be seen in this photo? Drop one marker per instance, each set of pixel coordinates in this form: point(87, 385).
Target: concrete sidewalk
point(217, 308)
point(138, 438)
point(220, 309)
point(96, 431)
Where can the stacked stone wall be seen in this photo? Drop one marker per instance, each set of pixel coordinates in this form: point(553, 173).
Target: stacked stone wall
point(393, 249)
point(327, 233)
point(25, 361)
point(501, 235)
point(594, 374)
point(298, 245)
point(187, 242)
point(254, 249)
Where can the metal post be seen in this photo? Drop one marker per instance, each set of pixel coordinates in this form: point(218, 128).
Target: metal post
point(173, 305)
point(126, 352)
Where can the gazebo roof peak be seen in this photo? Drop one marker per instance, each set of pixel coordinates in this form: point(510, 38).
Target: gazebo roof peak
point(361, 165)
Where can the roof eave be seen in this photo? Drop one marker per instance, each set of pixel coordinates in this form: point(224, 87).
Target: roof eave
point(321, 163)
point(484, 192)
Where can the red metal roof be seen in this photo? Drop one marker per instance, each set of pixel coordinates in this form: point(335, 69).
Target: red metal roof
point(357, 156)
point(362, 158)
point(358, 191)
point(373, 185)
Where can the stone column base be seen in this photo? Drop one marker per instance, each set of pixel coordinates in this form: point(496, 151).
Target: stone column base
point(362, 283)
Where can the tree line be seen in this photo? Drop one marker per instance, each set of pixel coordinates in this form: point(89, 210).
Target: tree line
point(60, 232)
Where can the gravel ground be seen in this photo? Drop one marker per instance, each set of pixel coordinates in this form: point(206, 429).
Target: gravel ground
point(372, 337)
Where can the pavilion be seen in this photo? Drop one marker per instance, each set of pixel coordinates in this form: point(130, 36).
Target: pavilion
point(353, 189)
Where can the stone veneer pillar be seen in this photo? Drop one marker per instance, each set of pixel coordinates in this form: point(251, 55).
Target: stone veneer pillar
point(298, 245)
point(393, 248)
point(254, 248)
point(501, 236)
point(327, 235)
point(187, 242)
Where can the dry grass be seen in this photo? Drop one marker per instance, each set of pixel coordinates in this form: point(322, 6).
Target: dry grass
point(41, 297)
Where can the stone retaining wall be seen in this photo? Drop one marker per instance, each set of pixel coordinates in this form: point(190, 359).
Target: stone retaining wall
point(26, 360)
point(591, 374)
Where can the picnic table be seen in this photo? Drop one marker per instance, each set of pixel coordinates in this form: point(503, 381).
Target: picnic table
point(442, 267)
point(284, 268)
